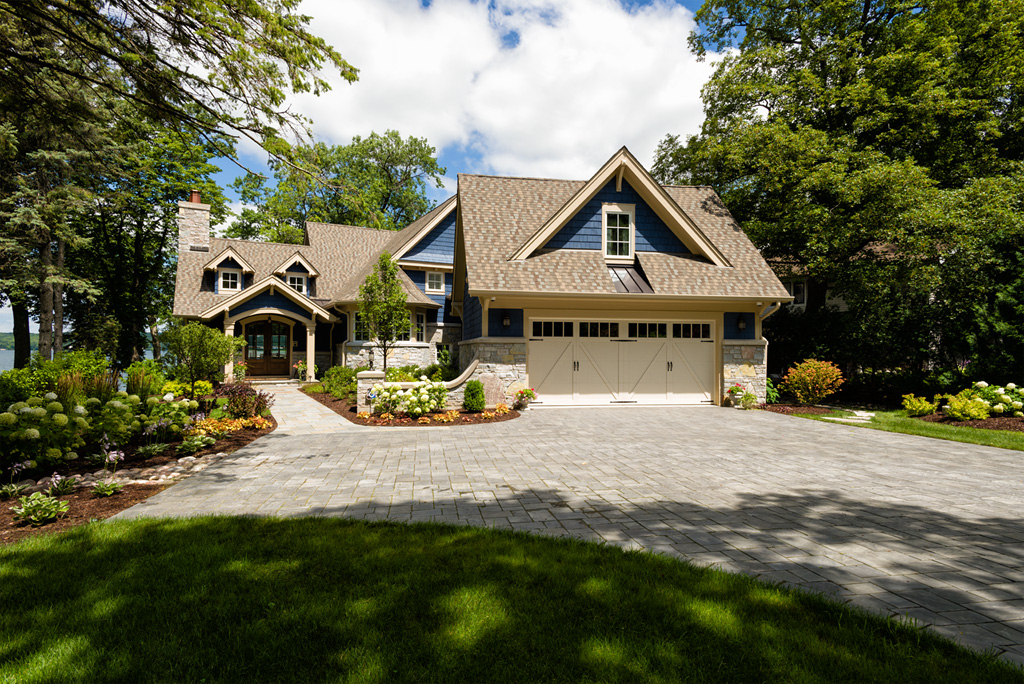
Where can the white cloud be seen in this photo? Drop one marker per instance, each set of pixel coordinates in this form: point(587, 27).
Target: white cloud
point(585, 78)
point(6, 319)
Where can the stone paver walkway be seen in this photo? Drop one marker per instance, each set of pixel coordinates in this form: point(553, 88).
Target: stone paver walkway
point(903, 525)
point(296, 413)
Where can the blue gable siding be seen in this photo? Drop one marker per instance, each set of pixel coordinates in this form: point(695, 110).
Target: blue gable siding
point(444, 313)
point(495, 318)
point(229, 263)
point(438, 246)
point(297, 268)
point(265, 300)
point(583, 231)
point(732, 331)
point(472, 312)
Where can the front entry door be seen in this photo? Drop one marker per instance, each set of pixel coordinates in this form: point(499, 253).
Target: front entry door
point(266, 349)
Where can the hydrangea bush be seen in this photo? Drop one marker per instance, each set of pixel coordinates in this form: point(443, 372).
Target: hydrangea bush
point(423, 397)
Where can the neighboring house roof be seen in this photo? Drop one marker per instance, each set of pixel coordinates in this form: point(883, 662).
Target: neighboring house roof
point(501, 216)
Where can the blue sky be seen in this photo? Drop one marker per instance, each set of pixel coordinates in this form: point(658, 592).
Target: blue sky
point(542, 88)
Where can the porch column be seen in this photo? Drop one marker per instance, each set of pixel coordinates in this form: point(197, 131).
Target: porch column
point(229, 367)
point(311, 351)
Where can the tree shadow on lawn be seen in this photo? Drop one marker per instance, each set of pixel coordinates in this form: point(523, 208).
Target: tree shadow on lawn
point(264, 599)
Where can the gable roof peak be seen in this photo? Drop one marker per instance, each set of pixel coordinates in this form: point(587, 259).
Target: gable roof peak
point(624, 166)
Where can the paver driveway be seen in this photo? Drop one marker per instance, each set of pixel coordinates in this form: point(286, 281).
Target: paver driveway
point(899, 524)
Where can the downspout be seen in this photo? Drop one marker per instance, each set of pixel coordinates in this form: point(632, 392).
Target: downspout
point(770, 309)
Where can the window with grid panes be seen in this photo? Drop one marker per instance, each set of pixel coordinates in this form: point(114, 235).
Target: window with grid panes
point(552, 328)
point(617, 227)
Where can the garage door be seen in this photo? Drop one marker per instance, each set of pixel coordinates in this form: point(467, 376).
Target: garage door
point(621, 362)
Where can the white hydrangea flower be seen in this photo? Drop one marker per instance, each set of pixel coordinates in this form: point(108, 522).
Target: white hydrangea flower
point(981, 383)
point(50, 396)
point(998, 408)
point(169, 396)
point(1005, 398)
point(1018, 414)
point(1017, 404)
point(1011, 386)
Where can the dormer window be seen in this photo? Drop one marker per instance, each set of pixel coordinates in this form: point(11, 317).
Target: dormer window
point(619, 236)
point(297, 283)
point(435, 281)
point(230, 280)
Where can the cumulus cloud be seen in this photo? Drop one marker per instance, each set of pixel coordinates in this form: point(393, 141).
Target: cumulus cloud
point(547, 88)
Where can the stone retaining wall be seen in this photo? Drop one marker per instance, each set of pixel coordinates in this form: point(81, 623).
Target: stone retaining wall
point(745, 362)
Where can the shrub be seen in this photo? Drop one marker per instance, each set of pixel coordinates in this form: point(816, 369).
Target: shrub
point(102, 386)
point(771, 392)
point(919, 406)
point(402, 374)
point(340, 381)
point(473, 400)
point(748, 400)
point(811, 381)
point(144, 378)
point(315, 388)
point(966, 406)
point(70, 390)
point(115, 421)
point(181, 389)
point(40, 509)
point(245, 401)
point(199, 353)
point(15, 385)
point(45, 372)
point(40, 430)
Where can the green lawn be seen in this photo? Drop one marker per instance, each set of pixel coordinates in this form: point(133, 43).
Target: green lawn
point(271, 600)
point(898, 421)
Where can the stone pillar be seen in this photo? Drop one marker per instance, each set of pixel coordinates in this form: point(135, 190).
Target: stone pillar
point(311, 352)
point(229, 367)
point(745, 362)
point(365, 380)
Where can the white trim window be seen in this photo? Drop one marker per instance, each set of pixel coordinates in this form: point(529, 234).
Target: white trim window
point(435, 282)
point(297, 283)
point(360, 331)
point(407, 335)
point(618, 234)
point(421, 327)
point(230, 280)
point(797, 288)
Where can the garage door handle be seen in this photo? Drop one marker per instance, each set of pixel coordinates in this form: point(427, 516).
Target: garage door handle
point(670, 366)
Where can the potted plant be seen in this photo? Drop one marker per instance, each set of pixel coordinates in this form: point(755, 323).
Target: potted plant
point(735, 394)
point(523, 399)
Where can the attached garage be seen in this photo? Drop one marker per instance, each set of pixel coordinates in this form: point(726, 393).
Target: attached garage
point(628, 361)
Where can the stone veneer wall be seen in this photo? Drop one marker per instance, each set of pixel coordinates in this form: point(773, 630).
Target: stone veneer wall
point(502, 366)
point(745, 362)
point(193, 226)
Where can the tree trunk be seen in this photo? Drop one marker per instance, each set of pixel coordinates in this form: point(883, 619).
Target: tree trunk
point(154, 335)
point(58, 303)
point(22, 340)
point(46, 300)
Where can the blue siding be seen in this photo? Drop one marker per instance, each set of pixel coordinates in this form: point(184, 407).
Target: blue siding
point(269, 301)
point(438, 246)
point(229, 263)
point(495, 318)
point(732, 331)
point(472, 312)
point(444, 313)
point(297, 268)
point(583, 231)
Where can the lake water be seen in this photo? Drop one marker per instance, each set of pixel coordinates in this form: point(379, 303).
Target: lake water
point(7, 358)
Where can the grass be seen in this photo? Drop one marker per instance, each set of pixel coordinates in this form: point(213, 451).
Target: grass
point(311, 599)
point(898, 421)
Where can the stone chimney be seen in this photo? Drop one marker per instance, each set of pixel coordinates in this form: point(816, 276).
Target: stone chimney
point(193, 225)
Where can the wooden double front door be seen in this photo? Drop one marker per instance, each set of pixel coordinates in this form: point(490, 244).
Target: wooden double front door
point(266, 349)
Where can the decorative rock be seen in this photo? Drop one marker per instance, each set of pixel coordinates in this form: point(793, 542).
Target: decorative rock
point(494, 391)
point(187, 460)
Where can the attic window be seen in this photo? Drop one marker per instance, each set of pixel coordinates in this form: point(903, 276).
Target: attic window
point(618, 237)
point(230, 280)
point(297, 283)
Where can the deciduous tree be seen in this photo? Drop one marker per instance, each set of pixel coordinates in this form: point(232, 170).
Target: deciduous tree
point(382, 306)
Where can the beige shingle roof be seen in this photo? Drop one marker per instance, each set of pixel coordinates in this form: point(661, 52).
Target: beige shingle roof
point(336, 251)
point(500, 214)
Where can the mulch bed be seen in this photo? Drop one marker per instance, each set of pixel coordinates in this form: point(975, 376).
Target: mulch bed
point(84, 508)
point(343, 408)
point(790, 409)
point(994, 423)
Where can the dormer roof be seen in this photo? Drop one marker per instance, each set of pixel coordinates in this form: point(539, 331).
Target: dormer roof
point(228, 253)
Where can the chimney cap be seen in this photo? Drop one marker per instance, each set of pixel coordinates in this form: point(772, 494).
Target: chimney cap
point(194, 197)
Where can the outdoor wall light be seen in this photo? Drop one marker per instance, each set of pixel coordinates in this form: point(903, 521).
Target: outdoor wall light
point(741, 324)
point(506, 321)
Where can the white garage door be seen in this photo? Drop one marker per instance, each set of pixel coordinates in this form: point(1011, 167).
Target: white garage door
point(621, 362)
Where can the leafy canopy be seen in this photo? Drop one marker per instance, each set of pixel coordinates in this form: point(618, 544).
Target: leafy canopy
point(198, 352)
point(379, 181)
point(845, 137)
